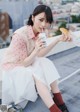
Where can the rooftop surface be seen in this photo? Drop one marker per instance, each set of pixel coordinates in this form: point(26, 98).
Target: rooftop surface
point(68, 65)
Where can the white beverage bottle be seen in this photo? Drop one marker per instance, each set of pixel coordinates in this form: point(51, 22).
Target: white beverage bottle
point(43, 37)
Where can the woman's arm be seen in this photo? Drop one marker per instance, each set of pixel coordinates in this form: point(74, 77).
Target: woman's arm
point(47, 49)
point(30, 59)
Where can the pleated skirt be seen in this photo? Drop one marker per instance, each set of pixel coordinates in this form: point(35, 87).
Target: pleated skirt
point(18, 83)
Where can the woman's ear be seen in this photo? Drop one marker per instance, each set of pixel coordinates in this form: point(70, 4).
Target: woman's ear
point(33, 18)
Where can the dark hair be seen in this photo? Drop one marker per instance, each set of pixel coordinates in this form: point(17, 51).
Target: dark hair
point(39, 9)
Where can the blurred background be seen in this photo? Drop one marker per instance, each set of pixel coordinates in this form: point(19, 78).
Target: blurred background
point(14, 14)
point(66, 57)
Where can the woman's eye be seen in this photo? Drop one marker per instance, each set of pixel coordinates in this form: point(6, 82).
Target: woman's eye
point(41, 20)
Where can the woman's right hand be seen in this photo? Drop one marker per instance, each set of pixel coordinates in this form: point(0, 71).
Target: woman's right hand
point(39, 44)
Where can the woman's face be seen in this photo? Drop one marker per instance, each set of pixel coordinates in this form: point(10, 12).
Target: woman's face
point(40, 23)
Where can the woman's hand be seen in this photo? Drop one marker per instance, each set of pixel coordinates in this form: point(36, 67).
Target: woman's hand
point(39, 44)
point(65, 38)
point(65, 35)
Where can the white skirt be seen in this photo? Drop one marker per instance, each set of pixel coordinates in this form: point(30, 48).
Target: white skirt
point(18, 84)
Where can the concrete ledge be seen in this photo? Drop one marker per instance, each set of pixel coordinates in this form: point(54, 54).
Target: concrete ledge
point(62, 46)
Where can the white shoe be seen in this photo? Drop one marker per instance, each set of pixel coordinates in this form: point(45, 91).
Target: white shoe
point(3, 108)
point(11, 109)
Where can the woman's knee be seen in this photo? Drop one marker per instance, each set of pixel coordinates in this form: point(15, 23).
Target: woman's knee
point(35, 79)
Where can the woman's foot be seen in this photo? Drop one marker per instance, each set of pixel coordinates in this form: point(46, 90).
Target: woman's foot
point(54, 108)
point(63, 108)
point(58, 99)
point(59, 102)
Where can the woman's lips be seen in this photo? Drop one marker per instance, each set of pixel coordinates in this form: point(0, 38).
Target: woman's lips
point(42, 29)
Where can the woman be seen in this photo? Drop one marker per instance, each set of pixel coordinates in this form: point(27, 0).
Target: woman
point(25, 67)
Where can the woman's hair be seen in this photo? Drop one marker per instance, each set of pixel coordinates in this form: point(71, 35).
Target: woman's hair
point(39, 9)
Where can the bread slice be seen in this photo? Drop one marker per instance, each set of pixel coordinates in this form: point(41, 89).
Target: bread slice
point(64, 31)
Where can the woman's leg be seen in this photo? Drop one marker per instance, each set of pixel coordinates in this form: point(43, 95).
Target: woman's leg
point(46, 96)
point(54, 87)
point(44, 93)
point(57, 94)
point(58, 97)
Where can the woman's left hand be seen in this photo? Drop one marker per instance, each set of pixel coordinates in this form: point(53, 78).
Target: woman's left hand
point(65, 38)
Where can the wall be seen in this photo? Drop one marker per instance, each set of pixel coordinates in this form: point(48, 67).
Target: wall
point(18, 11)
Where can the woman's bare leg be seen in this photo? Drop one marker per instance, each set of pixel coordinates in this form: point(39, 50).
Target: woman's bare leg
point(57, 94)
point(54, 87)
point(44, 93)
point(58, 97)
point(46, 96)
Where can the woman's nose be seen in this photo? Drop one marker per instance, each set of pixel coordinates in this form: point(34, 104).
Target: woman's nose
point(44, 24)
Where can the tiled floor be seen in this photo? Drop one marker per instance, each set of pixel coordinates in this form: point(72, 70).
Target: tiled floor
point(67, 63)
point(71, 92)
